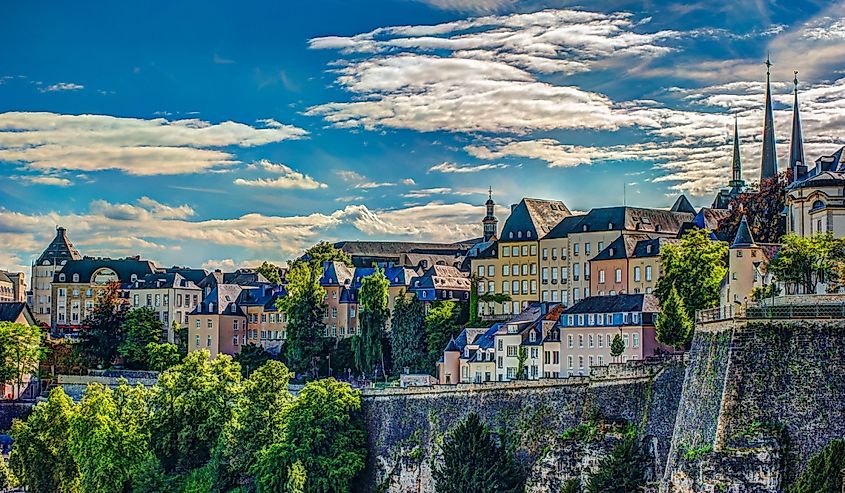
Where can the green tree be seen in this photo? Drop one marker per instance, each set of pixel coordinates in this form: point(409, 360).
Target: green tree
point(695, 267)
point(760, 293)
point(40, 457)
point(258, 421)
point(803, 262)
point(7, 478)
point(824, 471)
point(521, 368)
point(190, 405)
point(441, 324)
point(623, 471)
point(325, 434)
point(271, 272)
point(674, 327)
point(141, 326)
point(324, 252)
point(102, 331)
point(373, 316)
point(109, 437)
point(251, 357)
point(475, 461)
point(20, 352)
point(160, 357)
point(617, 347)
point(407, 335)
point(304, 306)
point(180, 336)
point(296, 479)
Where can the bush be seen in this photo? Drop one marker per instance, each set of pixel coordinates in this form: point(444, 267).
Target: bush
point(824, 471)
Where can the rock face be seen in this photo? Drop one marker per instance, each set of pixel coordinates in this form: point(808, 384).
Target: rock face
point(759, 398)
point(406, 426)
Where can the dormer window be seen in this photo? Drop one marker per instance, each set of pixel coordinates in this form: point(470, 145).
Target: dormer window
point(584, 228)
point(528, 234)
point(610, 251)
point(133, 277)
point(62, 277)
point(76, 278)
point(648, 248)
point(609, 225)
point(510, 235)
point(533, 336)
point(519, 234)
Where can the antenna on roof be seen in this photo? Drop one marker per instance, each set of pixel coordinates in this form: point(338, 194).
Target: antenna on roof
point(624, 193)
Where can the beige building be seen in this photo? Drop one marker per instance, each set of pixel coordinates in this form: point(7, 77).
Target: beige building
point(816, 202)
point(171, 296)
point(12, 287)
point(57, 253)
point(747, 266)
point(219, 323)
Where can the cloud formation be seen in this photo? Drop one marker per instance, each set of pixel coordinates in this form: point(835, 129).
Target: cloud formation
point(52, 141)
point(447, 167)
point(289, 179)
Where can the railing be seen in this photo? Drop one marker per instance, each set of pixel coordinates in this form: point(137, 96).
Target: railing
point(788, 311)
point(719, 313)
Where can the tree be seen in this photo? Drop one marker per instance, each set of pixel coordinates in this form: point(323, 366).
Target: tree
point(521, 358)
point(695, 267)
point(762, 209)
point(325, 434)
point(109, 437)
point(160, 357)
point(20, 352)
point(441, 324)
point(296, 479)
point(180, 337)
point(141, 326)
point(190, 404)
point(271, 272)
point(824, 471)
point(324, 252)
point(258, 421)
point(101, 332)
point(251, 357)
point(40, 457)
point(623, 471)
point(407, 334)
point(304, 306)
point(803, 262)
point(475, 461)
point(373, 317)
point(7, 478)
point(617, 347)
point(674, 327)
point(760, 293)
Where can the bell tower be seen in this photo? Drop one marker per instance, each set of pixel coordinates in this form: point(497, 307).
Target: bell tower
point(490, 223)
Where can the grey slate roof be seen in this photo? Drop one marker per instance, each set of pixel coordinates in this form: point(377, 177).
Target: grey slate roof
point(621, 247)
point(59, 249)
point(11, 310)
point(565, 226)
point(743, 235)
point(682, 204)
point(533, 219)
point(632, 219)
point(618, 303)
point(124, 268)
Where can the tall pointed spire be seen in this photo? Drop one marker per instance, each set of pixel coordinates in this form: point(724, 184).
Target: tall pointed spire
point(796, 146)
point(769, 162)
point(743, 238)
point(736, 165)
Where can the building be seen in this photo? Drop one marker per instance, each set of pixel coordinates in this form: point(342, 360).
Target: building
point(509, 337)
point(57, 253)
point(16, 312)
point(469, 358)
point(170, 295)
point(554, 261)
point(78, 285)
point(266, 324)
point(736, 186)
point(219, 323)
point(12, 286)
point(628, 265)
point(490, 225)
point(441, 283)
point(747, 266)
point(404, 253)
point(587, 330)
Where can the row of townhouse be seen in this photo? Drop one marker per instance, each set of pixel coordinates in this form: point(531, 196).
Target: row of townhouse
point(555, 341)
point(546, 254)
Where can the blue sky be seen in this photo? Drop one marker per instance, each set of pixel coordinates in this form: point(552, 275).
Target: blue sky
point(222, 134)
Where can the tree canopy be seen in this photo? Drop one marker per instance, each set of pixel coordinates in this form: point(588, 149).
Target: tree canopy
point(373, 316)
point(102, 331)
point(441, 324)
point(803, 262)
point(251, 357)
point(271, 272)
point(141, 326)
point(20, 352)
point(475, 461)
point(695, 268)
point(407, 335)
point(304, 306)
point(674, 327)
point(762, 206)
point(623, 471)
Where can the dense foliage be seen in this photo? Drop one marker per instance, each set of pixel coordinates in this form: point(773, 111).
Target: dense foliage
point(617, 347)
point(304, 306)
point(20, 352)
point(441, 324)
point(140, 327)
point(623, 471)
point(695, 268)
point(803, 262)
point(824, 471)
point(201, 428)
point(763, 210)
point(407, 335)
point(674, 327)
point(271, 272)
point(373, 316)
point(475, 461)
point(251, 357)
point(102, 331)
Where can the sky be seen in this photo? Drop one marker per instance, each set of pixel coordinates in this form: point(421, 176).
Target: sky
point(221, 134)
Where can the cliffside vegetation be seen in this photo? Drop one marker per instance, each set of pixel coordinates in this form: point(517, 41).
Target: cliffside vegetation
point(824, 471)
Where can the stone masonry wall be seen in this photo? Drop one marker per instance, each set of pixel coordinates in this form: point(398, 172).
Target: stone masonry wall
point(406, 427)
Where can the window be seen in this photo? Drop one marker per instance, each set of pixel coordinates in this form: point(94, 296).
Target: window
point(533, 269)
point(544, 275)
point(524, 250)
point(575, 295)
point(617, 275)
point(506, 252)
point(515, 251)
point(506, 287)
point(569, 361)
point(491, 270)
point(637, 274)
point(491, 287)
point(570, 340)
point(581, 362)
point(197, 341)
point(601, 276)
point(515, 287)
point(575, 249)
point(580, 340)
point(590, 340)
point(480, 271)
point(197, 323)
point(525, 287)
point(524, 269)
point(506, 270)
point(76, 278)
point(135, 300)
point(635, 338)
point(208, 341)
point(208, 323)
point(533, 286)
point(576, 271)
point(545, 254)
point(554, 253)
point(512, 351)
point(648, 273)
point(534, 352)
point(600, 340)
point(601, 246)
point(625, 340)
point(587, 248)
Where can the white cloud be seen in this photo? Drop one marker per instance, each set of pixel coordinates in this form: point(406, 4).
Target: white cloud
point(62, 86)
point(447, 167)
point(290, 178)
point(479, 6)
point(55, 181)
point(51, 141)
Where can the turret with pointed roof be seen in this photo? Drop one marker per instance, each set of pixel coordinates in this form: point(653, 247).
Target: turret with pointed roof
point(60, 249)
point(796, 145)
point(490, 223)
point(769, 161)
point(743, 238)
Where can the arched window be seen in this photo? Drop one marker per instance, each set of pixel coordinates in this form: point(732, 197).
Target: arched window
point(61, 277)
point(510, 235)
point(818, 204)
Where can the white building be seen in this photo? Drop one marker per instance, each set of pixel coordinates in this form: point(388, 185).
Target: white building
point(170, 295)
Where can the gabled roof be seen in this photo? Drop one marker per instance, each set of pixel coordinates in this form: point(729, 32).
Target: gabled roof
point(682, 204)
point(163, 280)
point(533, 219)
point(642, 249)
point(337, 274)
point(11, 310)
point(193, 275)
point(562, 229)
point(443, 277)
point(647, 303)
point(241, 277)
point(622, 247)
point(223, 296)
point(59, 249)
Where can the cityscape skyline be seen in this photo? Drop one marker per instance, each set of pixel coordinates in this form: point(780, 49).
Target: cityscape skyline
point(355, 128)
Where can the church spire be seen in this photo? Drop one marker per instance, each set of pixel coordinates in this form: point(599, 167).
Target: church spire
point(736, 165)
point(769, 162)
point(796, 146)
point(490, 223)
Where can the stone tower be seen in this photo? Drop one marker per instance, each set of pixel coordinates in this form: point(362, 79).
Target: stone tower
point(491, 224)
point(51, 260)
